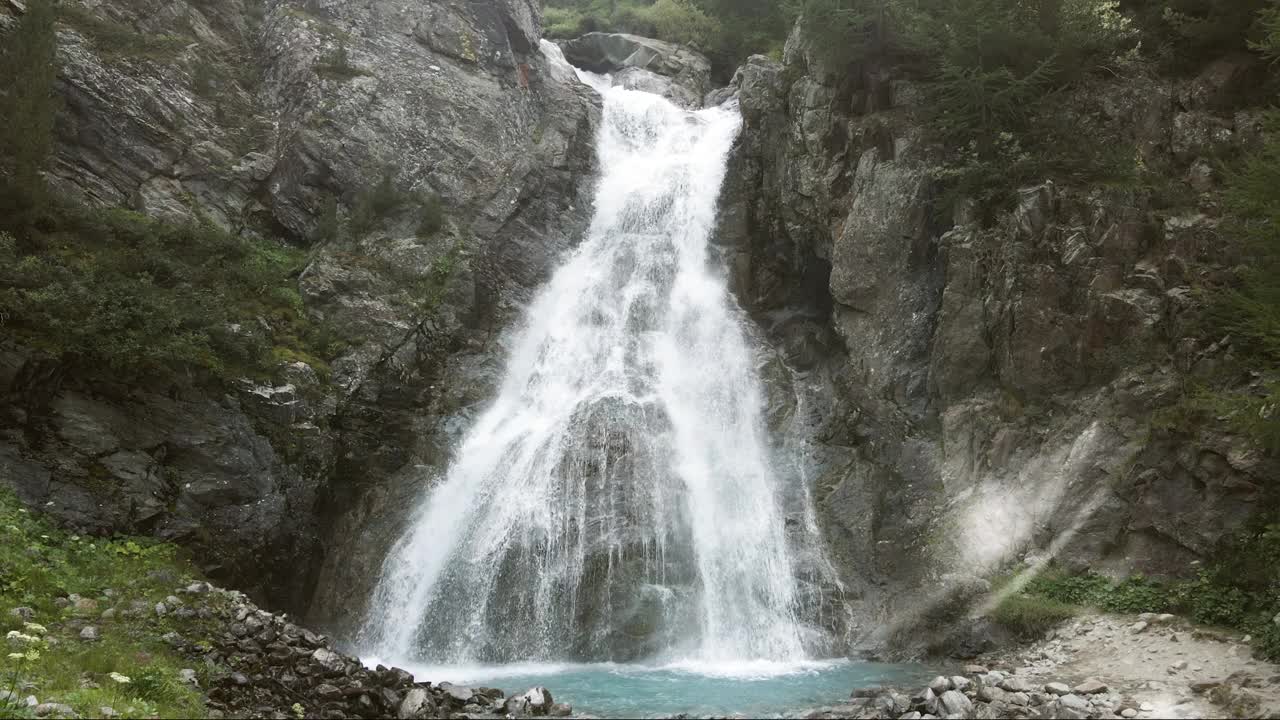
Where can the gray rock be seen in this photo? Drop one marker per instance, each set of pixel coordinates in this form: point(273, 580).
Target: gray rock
point(1138, 627)
point(959, 682)
point(673, 71)
point(89, 633)
point(417, 703)
point(1074, 702)
point(1090, 687)
point(329, 660)
point(1016, 685)
point(23, 613)
point(539, 700)
point(1057, 688)
point(991, 694)
point(1129, 713)
point(954, 703)
point(53, 710)
point(456, 693)
point(187, 676)
point(939, 685)
point(560, 710)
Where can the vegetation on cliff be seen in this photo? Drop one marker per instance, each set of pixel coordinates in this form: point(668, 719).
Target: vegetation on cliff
point(1240, 590)
point(113, 288)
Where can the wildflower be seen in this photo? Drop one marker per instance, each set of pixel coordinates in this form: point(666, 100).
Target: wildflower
point(36, 628)
point(17, 656)
point(16, 637)
point(122, 679)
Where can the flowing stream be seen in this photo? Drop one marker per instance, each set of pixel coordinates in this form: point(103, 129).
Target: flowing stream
point(619, 501)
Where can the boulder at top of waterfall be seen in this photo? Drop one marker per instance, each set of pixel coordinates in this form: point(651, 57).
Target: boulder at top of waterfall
point(678, 73)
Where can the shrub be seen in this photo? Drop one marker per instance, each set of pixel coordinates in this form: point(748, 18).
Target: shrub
point(1031, 617)
point(1251, 312)
point(682, 22)
point(119, 290)
point(431, 217)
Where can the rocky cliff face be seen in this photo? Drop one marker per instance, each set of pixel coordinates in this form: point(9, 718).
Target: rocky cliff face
point(272, 118)
point(984, 392)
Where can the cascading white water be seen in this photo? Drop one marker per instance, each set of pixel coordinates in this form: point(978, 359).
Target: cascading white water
point(617, 500)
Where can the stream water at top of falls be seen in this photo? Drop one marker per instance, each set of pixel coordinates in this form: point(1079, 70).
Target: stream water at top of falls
point(620, 504)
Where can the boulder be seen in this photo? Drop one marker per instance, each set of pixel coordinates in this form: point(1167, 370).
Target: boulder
point(417, 703)
point(954, 703)
point(539, 700)
point(1090, 687)
point(676, 72)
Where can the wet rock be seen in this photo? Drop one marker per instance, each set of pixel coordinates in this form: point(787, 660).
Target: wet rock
point(539, 700)
point(417, 703)
point(457, 694)
point(673, 71)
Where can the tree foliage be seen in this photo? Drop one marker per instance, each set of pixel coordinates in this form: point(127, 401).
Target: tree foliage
point(28, 57)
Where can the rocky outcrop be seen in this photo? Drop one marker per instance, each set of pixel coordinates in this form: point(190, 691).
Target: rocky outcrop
point(278, 119)
point(986, 387)
point(677, 73)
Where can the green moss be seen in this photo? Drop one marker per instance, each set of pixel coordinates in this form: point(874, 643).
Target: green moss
point(39, 564)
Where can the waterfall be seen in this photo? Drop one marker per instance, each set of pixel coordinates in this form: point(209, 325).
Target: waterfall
point(618, 500)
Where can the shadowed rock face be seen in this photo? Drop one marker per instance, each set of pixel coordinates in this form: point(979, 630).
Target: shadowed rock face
point(247, 120)
point(984, 392)
point(672, 71)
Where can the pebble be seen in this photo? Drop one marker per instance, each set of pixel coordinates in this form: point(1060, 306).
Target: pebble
point(1180, 665)
point(1129, 713)
point(1137, 627)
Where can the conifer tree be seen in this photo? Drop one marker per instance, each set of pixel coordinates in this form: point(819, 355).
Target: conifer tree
point(27, 109)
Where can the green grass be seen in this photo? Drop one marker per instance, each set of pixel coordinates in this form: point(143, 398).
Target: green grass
point(40, 564)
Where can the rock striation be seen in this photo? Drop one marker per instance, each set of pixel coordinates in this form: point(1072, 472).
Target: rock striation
point(983, 389)
point(273, 119)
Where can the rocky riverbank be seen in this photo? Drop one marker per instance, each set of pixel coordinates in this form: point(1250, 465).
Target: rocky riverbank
point(1098, 666)
point(247, 662)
